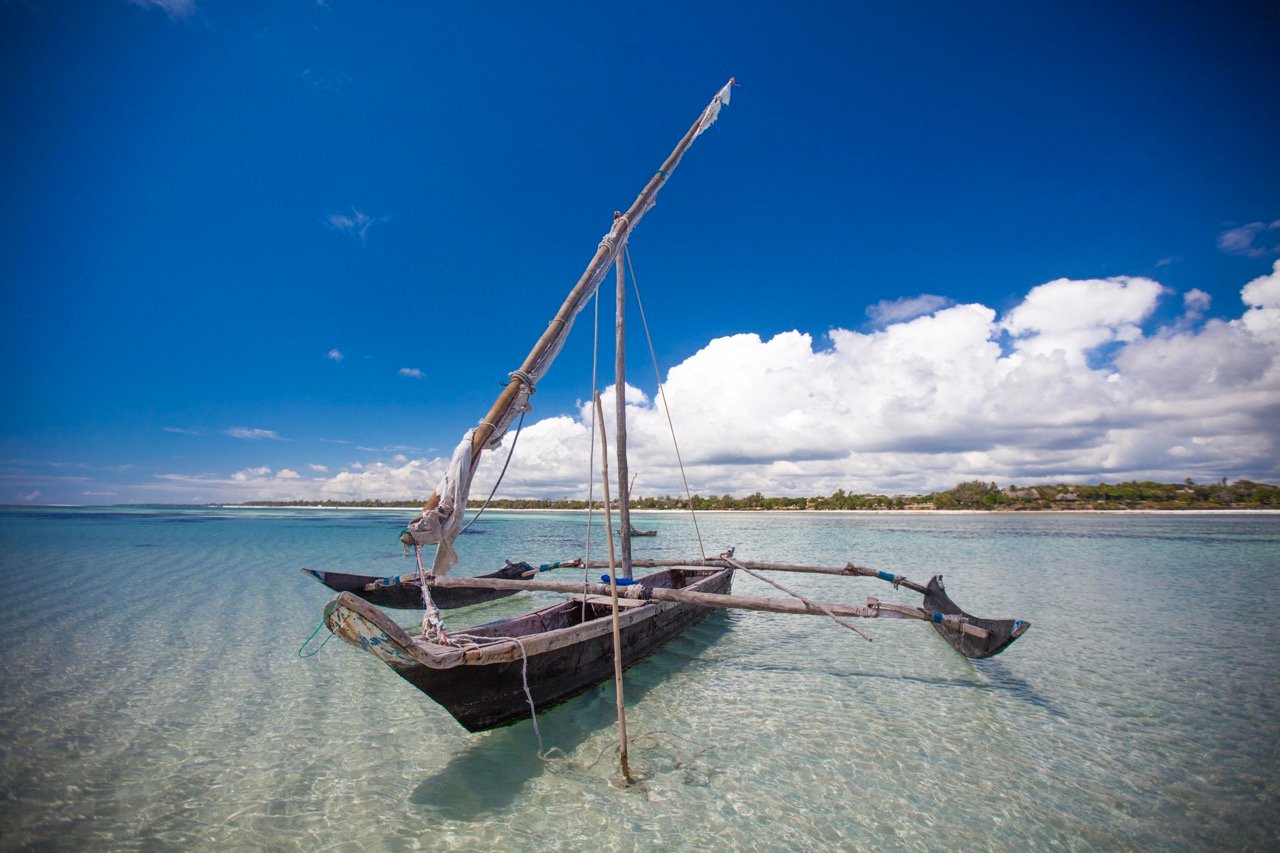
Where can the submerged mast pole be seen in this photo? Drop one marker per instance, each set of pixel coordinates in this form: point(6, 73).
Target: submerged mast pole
point(515, 396)
point(620, 439)
point(613, 594)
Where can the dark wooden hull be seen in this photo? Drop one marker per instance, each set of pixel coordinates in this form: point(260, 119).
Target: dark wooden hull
point(408, 596)
point(483, 696)
point(1001, 632)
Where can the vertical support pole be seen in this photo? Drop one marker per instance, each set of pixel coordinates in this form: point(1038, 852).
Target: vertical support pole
point(620, 374)
point(613, 591)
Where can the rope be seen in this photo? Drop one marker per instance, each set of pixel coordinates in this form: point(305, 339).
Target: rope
point(481, 642)
point(503, 473)
point(808, 602)
point(525, 378)
point(432, 625)
point(662, 391)
point(312, 637)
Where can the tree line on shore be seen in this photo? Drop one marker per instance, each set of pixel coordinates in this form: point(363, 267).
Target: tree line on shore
point(971, 495)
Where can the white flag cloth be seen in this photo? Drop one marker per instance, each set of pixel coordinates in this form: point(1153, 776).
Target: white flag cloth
point(712, 112)
point(440, 525)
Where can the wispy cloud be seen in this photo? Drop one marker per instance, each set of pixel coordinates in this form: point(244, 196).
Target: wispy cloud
point(889, 311)
point(411, 372)
point(181, 431)
point(249, 432)
point(29, 496)
point(321, 82)
point(356, 225)
point(99, 494)
point(319, 469)
point(175, 9)
point(1255, 240)
point(336, 355)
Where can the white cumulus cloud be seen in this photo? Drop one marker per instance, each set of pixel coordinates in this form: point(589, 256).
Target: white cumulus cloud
point(411, 372)
point(1072, 383)
point(1075, 317)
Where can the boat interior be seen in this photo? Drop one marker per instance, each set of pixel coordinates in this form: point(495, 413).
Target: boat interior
point(571, 612)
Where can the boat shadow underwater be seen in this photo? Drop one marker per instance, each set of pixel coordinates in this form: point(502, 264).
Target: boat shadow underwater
point(492, 770)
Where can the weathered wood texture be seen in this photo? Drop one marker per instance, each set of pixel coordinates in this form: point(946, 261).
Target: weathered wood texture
point(483, 688)
point(405, 591)
point(1000, 632)
point(620, 416)
point(613, 583)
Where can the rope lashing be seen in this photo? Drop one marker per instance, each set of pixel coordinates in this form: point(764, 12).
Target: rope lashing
point(521, 376)
point(896, 580)
point(608, 242)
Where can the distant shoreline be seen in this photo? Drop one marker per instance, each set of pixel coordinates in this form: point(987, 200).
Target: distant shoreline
point(1117, 511)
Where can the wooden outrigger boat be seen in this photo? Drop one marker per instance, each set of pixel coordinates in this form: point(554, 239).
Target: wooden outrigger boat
point(493, 674)
point(557, 651)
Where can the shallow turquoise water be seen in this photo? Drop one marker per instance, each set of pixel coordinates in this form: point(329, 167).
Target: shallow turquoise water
point(151, 694)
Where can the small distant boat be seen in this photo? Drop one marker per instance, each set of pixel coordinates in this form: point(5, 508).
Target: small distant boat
point(635, 532)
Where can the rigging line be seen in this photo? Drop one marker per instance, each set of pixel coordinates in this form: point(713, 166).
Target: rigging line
point(816, 605)
point(494, 490)
point(591, 454)
point(662, 392)
point(547, 755)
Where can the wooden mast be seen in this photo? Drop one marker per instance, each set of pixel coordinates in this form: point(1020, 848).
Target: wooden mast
point(613, 593)
point(548, 346)
point(620, 409)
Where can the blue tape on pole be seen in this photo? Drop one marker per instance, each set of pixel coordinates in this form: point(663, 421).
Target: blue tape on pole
point(391, 581)
point(886, 576)
point(618, 581)
point(937, 617)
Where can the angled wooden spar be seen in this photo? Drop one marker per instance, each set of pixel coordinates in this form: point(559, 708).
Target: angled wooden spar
point(548, 346)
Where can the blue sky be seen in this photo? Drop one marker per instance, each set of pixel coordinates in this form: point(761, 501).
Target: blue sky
point(278, 250)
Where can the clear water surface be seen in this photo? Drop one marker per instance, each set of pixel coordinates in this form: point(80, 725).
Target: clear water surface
point(151, 694)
